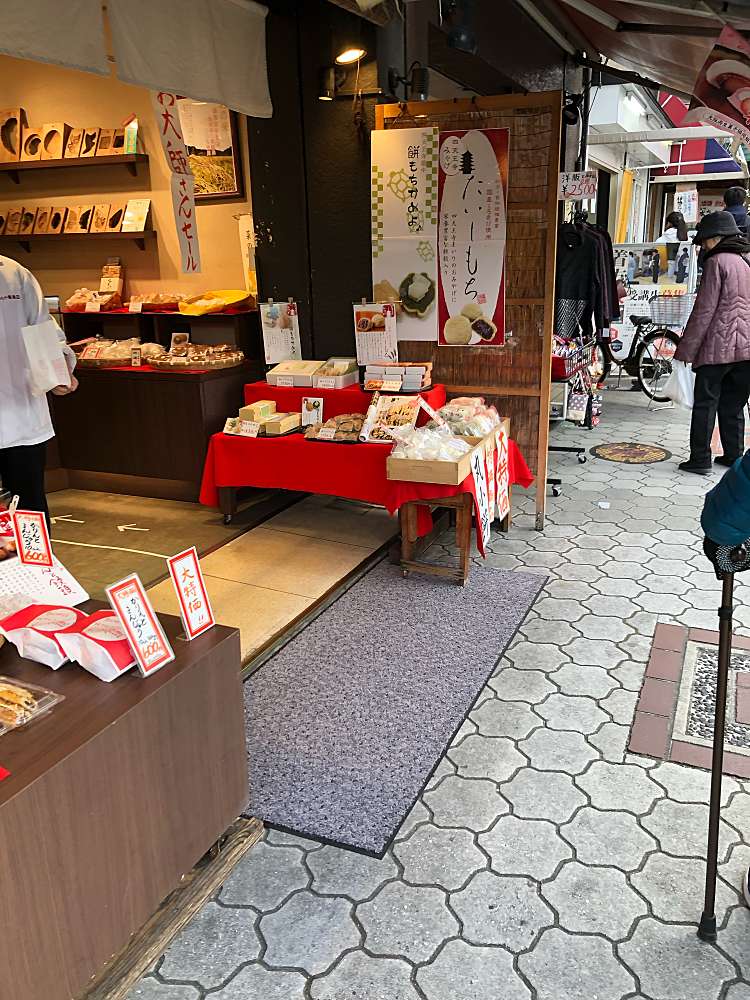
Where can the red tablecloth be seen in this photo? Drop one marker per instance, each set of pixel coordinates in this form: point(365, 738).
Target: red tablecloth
point(352, 399)
point(352, 471)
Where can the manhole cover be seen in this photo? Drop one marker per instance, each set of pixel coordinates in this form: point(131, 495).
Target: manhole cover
point(630, 453)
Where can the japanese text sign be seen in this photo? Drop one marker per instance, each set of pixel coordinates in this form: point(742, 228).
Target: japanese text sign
point(187, 579)
point(137, 616)
point(481, 493)
point(472, 185)
point(577, 185)
point(280, 324)
point(182, 184)
point(32, 538)
point(721, 90)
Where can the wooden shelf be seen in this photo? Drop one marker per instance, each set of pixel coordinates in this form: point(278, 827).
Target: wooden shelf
point(129, 160)
point(140, 239)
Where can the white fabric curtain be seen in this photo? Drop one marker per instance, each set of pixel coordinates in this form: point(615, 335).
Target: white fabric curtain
point(210, 50)
point(64, 32)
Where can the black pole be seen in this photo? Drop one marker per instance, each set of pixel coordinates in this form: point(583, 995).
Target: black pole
point(585, 109)
point(707, 926)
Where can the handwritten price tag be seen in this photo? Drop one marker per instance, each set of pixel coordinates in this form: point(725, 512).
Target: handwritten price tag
point(187, 579)
point(143, 629)
point(391, 385)
point(249, 428)
point(326, 382)
point(32, 538)
point(92, 307)
point(286, 380)
point(326, 433)
point(577, 185)
point(135, 307)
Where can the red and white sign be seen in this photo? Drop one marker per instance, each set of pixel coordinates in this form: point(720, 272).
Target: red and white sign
point(32, 538)
point(98, 643)
point(182, 183)
point(195, 607)
point(472, 186)
point(142, 627)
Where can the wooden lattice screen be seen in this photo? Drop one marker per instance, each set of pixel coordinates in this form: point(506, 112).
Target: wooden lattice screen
point(516, 378)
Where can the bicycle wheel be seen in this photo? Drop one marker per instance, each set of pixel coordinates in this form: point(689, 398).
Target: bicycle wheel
point(654, 363)
point(601, 363)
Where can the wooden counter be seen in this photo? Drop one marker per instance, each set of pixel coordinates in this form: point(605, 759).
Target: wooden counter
point(112, 797)
point(144, 432)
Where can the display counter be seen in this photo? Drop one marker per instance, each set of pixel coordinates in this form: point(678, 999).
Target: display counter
point(111, 799)
point(141, 431)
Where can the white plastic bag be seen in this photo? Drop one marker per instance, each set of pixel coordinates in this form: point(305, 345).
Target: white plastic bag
point(47, 365)
point(680, 386)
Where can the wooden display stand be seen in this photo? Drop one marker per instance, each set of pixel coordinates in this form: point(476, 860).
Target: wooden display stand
point(516, 379)
point(112, 798)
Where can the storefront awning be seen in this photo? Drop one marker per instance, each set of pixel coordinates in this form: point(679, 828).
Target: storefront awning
point(667, 41)
point(210, 50)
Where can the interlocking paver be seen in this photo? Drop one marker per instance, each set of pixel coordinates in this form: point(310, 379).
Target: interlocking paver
point(543, 795)
point(690, 784)
point(733, 938)
point(501, 909)
point(309, 932)
point(467, 972)
point(524, 847)
point(672, 965)
point(486, 757)
point(595, 652)
point(462, 802)
point(594, 900)
point(539, 630)
point(360, 977)
point(593, 626)
point(152, 989)
point(608, 838)
point(505, 718)
point(521, 685)
point(581, 715)
point(434, 856)
point(674, 887)
point(551, 750)
point(346, 873)
point(417, 814)
point(593, 682)
point(412, 921)
point(282, 839)
point(568, 967)
point(255, 981)
point(681, 829)
point(536, 656)
point(265, 877)
point(620, 704)
point(217, 939)
point(624, 786)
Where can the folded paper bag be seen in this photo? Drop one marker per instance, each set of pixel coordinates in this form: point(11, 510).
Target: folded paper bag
point(44, 352)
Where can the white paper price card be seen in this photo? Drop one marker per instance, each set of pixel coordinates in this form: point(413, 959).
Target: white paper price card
point(391, 385)
point(286, 380)
point(32, 538)
point(249, 428)
point(143, 629)
point(326, 433)
point(135, 307)
point(577, 185)
point(431, 412)
point(326, 382)
point(92, 307)
point(187, 579)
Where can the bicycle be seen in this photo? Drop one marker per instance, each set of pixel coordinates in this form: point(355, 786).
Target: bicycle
point(646, 353)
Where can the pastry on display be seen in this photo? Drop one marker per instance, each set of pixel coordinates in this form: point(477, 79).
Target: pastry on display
point(344, 429)
point(468, 416)
point(298, 372)
point(157, 301)
point(338, 366)
point(217, 301)
point(387, 412)
point(81, 297)
point(258, 411)
point(17, 704)
point(429, 444)
point(200, 356)
point(281, 423)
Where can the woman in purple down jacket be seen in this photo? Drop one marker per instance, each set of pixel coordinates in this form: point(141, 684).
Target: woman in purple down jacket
point(716, 342)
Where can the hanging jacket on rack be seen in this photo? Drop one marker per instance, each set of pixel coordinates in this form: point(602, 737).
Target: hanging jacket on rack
point(577, 282)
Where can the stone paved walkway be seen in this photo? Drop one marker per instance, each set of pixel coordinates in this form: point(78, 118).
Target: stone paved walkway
point(542, 862)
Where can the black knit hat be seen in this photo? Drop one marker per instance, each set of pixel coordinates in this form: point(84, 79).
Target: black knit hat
point(716, 224)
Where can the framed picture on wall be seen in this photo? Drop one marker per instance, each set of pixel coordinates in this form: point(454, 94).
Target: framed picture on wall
point(212, 140)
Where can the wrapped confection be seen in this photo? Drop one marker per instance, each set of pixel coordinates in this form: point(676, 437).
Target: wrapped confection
point(82, 297)
point(344, 429)
point(428, 444)
point(468, 416)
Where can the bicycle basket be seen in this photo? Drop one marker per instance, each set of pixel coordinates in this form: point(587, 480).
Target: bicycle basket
point(671, 310)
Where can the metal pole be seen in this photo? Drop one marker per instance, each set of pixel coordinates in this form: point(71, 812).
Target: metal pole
point(707, 926)
point(585, 109)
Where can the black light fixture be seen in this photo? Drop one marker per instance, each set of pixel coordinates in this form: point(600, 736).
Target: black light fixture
point(327, 83)
point(461, 36)
point(416, 82)
point(571, 112)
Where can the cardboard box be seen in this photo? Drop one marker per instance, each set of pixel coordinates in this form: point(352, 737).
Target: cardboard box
point(88, 142)
point(31, 144)
point(12, 122)
point(281, 423)
point(73, 145)
point(414, 470)
point(258, 411)
point(54, 139)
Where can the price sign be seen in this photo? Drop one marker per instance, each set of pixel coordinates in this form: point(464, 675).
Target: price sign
point(391, 385)
point(479, 472)
point(686, 201)
point(92, 307)
point(285, 380)
point(431, 412)
point(326, 433)
point(32, 538)
point(187, 579)
point(135, 357)
point(135, 307)
point(249, 428)
point(326, 382)
point(143, 629)
point(577, 185)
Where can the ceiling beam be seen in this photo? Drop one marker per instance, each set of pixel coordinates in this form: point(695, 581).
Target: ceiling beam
point(729, 12)
point(697, 31)
point(542, 21)
point(656, 135)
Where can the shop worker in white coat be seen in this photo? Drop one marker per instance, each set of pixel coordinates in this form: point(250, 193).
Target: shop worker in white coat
point(25, 424)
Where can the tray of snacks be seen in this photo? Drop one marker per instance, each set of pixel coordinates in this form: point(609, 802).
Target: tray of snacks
point(156, 301)
point(22, 703)
point(102, 353)
point(343, 429)
point(101, 301)
point(199, 356)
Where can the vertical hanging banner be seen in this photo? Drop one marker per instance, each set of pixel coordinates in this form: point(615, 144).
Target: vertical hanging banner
point(404, 227)
point(182, 182)
point(247, 245)
point(472, 185)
